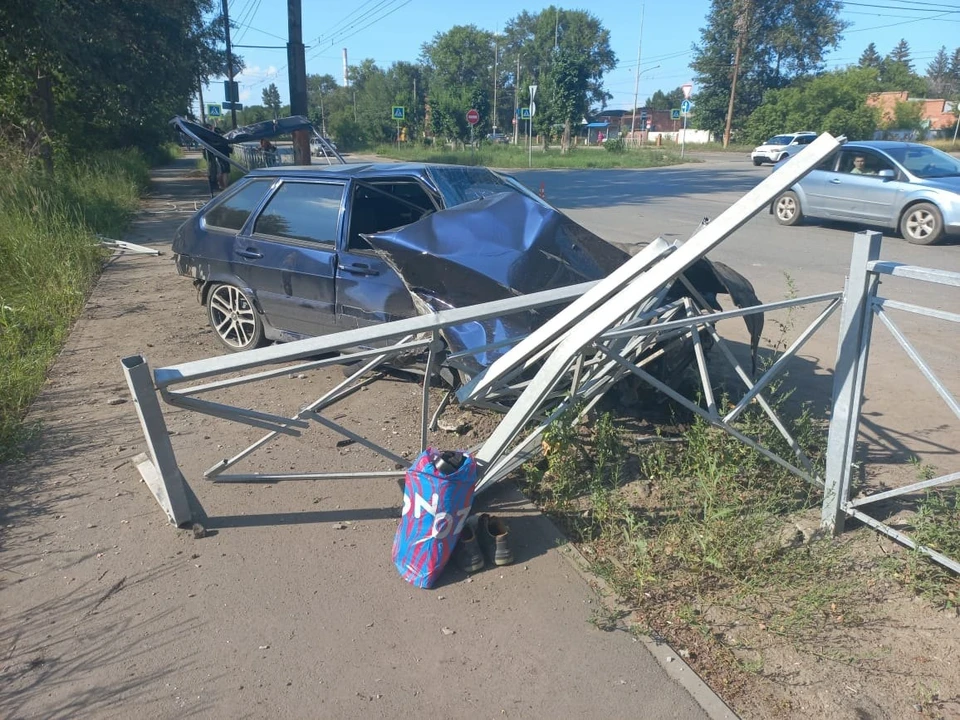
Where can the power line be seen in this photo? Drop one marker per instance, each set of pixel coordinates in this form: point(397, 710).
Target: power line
point(905, 22)
point(336, 27)
point(344, 34)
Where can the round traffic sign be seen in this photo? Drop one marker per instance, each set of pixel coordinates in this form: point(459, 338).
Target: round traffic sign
point(473, 117)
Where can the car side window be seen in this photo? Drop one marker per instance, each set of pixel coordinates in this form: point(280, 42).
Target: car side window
point(859, 162)
point(828, 164)
point(303, 211)
point(232, 212)
point(805, 140)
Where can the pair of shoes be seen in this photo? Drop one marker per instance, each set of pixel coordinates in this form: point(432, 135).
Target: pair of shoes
point(483, 535)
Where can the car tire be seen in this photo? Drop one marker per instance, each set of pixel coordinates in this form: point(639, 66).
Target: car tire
point(786, 208)
point(233, 318)
point(922, 224)
point(757, 162)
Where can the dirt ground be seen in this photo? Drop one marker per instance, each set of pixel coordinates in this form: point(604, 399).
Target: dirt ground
point(290, 606)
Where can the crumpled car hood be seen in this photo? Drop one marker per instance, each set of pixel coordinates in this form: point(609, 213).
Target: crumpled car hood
point(508, 244)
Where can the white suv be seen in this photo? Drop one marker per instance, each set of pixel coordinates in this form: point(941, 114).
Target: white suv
point(781, 146)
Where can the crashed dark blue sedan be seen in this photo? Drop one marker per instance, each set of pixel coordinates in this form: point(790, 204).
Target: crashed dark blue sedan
point(290, 252)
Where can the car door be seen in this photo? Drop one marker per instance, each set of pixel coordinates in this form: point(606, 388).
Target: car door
point(816, 188)
point(291, 255)
point(369, 291)
point(859, 192)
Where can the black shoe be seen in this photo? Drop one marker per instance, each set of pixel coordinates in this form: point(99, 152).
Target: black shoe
point(467, 553)
point(494, 537)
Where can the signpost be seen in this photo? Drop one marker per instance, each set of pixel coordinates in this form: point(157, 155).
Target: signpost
point(473, 117)
point(685, 108)
point(531, 111)
point(398, 113)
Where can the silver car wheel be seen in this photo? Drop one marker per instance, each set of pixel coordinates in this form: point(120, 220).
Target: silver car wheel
point(920, 224)
point(786, 208)
point(232, 316)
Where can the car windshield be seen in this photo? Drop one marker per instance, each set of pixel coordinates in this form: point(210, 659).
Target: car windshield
point(460, 185)
point(779, 140)
point(926, 162)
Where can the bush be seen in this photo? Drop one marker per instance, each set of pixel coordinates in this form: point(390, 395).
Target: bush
point(615, 146)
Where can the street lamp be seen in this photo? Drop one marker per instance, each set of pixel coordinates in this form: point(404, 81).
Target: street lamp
point(636, 90)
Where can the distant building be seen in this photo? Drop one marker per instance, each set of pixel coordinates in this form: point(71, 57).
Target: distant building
point(938, 113)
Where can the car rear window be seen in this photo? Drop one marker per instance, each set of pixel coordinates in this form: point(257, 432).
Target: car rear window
point(303, 211)
point(232, 212)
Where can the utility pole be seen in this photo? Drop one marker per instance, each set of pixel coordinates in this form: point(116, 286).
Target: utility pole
point(556, 32)
point(297, 77)
point(203, 110)
point(516, 103)
point(226, 29)
point(496, 57)
point(741, 24)
point(636, 85)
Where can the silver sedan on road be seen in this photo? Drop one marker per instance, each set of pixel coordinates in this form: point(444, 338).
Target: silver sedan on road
point(909, 187)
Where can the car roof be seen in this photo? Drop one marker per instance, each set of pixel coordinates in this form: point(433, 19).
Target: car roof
point(349, 170)
point(880, 144)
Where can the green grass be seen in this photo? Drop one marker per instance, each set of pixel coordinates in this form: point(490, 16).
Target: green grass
point(49, 259)
point(509, 156)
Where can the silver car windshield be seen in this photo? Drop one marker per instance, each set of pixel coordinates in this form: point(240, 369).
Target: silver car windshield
point(926, 162)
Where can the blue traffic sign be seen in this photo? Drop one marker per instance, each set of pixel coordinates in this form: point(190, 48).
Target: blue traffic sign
point(398, 112)
point(675, 114)
point(685, 107)
point(525, 113)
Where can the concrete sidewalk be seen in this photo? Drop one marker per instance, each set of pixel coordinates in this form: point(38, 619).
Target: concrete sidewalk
point(290, 607)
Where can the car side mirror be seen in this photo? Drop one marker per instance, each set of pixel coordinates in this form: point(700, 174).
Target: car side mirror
point(887, 174)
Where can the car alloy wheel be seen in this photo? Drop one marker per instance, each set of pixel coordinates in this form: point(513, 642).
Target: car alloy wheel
point(787, 208)
point(922, 224)
point(233, 318)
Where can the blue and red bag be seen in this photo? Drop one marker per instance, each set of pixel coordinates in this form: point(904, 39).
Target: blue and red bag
point(436, 506)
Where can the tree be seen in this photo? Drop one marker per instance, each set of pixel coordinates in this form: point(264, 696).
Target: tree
point(834, 102)
point(780, 41)
point(533, 39)
point(938, 73)
point(459, 64)
point(901, 54)
point(954, 73)
point(101, 73)
point(870, 57)
point(271, 99)
point(906, 116)
point(567, 84)
point(665, 101)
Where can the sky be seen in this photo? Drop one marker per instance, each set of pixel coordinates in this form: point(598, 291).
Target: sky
point(392, 30)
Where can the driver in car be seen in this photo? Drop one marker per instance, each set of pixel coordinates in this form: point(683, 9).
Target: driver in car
point(858, 167)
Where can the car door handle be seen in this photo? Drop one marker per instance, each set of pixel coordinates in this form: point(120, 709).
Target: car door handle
point(250, 254)
point(835, 181)
point(358, 269)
